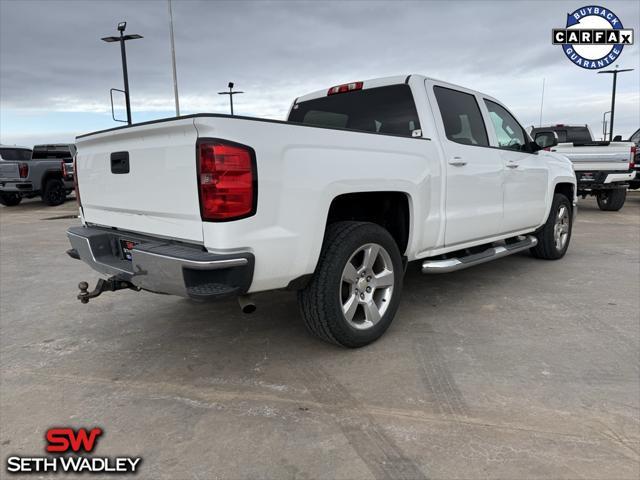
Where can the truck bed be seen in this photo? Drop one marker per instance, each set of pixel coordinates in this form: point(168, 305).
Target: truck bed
point(159, 195)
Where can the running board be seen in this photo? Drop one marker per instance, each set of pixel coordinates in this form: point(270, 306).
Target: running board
point(492, 253)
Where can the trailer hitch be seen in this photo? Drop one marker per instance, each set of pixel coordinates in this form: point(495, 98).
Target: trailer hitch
point(112, 284)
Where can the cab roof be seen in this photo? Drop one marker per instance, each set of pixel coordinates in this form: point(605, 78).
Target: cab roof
point(393, 80)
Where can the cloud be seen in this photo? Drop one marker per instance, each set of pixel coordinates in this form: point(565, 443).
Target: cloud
point(52, 60)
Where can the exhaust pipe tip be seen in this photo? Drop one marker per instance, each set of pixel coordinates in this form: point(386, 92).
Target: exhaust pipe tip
point(246, 304)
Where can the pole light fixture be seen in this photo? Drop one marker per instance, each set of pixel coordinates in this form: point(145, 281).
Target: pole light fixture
point(231, 93)
point(122, 39)
point(614, 72)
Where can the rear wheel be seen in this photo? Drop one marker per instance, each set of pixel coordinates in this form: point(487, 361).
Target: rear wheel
point(355, 291)
point(10, 199)
point(54, 192)
point(555, 235)
point(612, 200)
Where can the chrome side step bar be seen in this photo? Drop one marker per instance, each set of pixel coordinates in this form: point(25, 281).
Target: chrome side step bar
point(492, 253)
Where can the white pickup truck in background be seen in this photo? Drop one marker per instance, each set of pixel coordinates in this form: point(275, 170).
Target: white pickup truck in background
point(603, 168)
point(333, 203)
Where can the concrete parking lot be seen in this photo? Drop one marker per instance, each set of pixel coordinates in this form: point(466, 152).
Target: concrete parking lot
point(519, 368)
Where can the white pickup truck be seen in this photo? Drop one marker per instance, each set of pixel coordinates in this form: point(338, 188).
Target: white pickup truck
point(333, 203)
point(603, 168)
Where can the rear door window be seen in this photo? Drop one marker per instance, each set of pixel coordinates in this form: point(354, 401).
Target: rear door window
point(389, 110)
point(461, 117)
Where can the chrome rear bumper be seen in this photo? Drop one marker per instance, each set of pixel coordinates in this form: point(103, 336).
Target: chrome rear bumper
point(162, 266)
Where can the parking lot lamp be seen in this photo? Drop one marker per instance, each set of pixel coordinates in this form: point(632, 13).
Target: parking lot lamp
point(123, 38)
point(231, 93)
point(615, 72)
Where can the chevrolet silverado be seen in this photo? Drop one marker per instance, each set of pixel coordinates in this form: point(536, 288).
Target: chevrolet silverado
point(332, 203)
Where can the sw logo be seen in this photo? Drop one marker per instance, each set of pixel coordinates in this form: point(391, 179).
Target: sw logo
point(593, 37)
point(69, 444)
point(65, 439)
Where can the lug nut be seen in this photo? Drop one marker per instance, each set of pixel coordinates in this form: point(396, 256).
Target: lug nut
point(368, 289)
point(369, 278)
point(362, 274)
point(362, 296)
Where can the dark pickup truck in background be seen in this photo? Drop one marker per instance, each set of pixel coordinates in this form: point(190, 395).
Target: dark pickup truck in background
point(603, 169)
point(47, 171)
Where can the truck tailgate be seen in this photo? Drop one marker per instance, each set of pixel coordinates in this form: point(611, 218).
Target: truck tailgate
point(614, 156)
point(142, 179)
point(9, 170)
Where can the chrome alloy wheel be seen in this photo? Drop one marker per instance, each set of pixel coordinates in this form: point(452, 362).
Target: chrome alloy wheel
point(367, 286)
point(561, 227)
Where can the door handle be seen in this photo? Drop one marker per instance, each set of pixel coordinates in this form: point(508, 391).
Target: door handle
point(512, 165)
point(457, 162)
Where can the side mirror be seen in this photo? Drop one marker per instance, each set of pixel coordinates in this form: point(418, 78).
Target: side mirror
point(617, 138)
point(546, 139)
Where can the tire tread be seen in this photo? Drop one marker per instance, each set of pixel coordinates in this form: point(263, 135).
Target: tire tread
point(315, 300)
point(545, 248)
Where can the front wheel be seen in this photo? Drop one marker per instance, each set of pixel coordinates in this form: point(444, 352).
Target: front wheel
point(612, 200)
point(355, 290)
point(555, 235)
point(10, 199)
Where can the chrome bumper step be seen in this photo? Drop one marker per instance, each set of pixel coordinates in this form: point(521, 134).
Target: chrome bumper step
point(492, 253)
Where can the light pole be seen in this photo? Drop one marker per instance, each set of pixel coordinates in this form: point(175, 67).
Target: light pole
point(615, 72)
point(173, 62)
point(231, 93)
point(604, 125)
point(123, 38)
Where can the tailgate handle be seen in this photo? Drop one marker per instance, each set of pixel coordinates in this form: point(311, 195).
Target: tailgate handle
point(120, 162)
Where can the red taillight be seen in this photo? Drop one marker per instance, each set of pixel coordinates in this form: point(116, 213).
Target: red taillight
point(227, 180)
point(632, 160)
point(347, 87)
point(23, 168)
point(64, 169)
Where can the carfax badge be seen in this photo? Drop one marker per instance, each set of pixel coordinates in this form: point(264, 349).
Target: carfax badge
point(593, 37)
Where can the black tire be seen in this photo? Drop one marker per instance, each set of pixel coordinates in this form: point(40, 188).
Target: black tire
point(10, 199)
point(612, 200)
point(547, 247)
point(54, 192)
point(321, 301)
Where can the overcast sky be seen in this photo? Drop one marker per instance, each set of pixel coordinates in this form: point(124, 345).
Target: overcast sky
point(55, 73)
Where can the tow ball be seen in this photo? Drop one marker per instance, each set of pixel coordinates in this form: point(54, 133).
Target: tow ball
point(112, 284)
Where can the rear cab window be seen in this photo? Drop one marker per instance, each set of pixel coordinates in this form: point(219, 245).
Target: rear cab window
point(461, 117)
point(388, 110)
point(565, 134)
point(15, 154)
point(54, 152)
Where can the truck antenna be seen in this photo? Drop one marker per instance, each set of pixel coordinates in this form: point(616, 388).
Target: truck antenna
point(541, 104)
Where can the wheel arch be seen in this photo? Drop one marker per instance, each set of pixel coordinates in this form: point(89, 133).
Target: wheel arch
point(389, 209)
point(48, 175)
point(567, 189)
